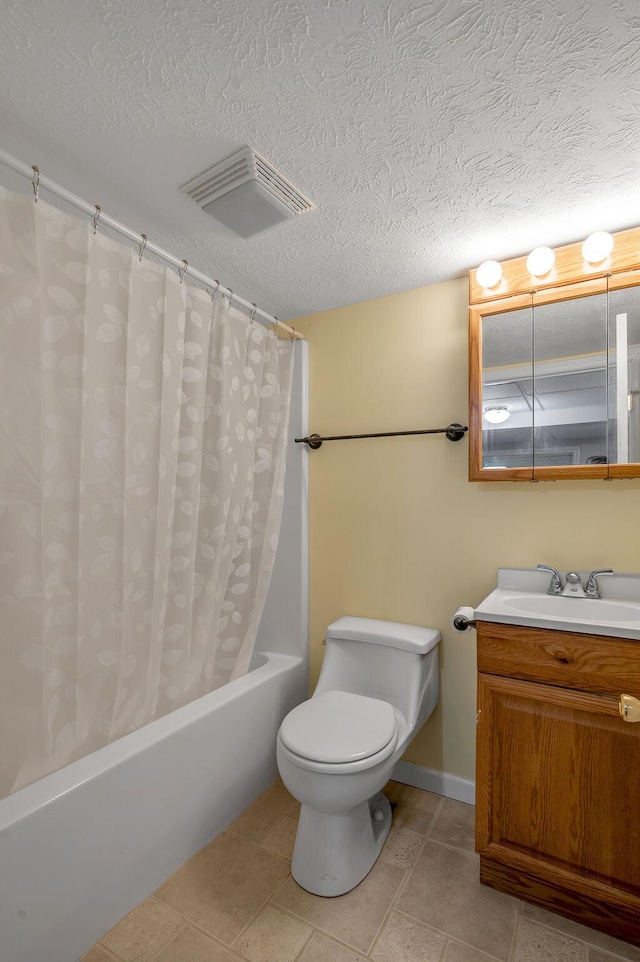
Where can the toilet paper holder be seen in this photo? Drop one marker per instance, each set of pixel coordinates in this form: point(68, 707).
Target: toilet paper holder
point(461, 622)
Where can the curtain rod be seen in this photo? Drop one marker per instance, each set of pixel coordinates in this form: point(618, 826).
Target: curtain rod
point(33, 174)
point(453, 432)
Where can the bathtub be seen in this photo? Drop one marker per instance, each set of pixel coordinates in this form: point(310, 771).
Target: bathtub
point(83, 846)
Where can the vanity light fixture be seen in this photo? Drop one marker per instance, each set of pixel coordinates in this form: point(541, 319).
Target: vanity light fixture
point(489, 274)
point(597, 247)
point(497, 414)
point(540, 261)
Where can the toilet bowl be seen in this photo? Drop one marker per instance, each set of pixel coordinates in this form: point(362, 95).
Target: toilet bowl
point(378, 684)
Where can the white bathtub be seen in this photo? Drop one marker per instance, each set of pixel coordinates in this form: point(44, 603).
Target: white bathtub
point(81, 847)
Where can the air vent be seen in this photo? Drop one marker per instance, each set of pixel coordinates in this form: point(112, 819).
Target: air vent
point(246, 193)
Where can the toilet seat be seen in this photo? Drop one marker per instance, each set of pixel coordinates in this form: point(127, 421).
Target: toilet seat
point(340, 728)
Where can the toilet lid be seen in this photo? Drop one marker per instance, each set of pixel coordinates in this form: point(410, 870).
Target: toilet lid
point(338, 726)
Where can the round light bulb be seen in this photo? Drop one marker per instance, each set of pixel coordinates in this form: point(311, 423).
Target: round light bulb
point(597, 247)
point(540, 261)
point(489, 274)
point(497, 414)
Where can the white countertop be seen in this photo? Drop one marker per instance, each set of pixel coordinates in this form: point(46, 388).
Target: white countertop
point(521, 598)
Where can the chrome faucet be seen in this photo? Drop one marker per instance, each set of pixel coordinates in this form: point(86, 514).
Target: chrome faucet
point(555, 585)
point(593, 589)
point(573, 586)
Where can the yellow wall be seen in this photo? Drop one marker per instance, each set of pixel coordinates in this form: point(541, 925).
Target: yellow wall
point(396, 530)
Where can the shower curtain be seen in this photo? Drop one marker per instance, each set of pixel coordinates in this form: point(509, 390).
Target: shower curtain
point(143, 427)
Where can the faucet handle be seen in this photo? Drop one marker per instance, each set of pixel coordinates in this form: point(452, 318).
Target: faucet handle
point(555, 585)
point(592, 590)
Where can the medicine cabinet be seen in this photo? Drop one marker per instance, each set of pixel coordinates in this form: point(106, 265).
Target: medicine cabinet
point(554, 368)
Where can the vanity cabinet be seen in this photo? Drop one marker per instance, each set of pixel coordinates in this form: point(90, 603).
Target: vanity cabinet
point(558, 773)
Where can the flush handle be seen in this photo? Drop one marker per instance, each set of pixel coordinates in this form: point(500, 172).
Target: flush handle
point(629, 708)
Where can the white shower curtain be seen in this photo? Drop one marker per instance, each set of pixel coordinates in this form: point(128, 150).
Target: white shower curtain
point(143, 428)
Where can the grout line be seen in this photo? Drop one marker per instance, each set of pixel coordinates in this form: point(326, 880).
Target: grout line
point(190, 924)
point(165, 907)
point(317, 928)
point(448, 936)
point(401, 887)
point(251, 842)
point(304, 944)
point(590, 945)
point(453, 848)
point(474, 948)
point(107, 952)
point(435, 816)
point(411, 918)
point(264, 847)
point(516, 933)
point(169, 940)
point(266, 902)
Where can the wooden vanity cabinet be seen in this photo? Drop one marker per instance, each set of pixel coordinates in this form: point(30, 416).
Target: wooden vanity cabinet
point(558, 773)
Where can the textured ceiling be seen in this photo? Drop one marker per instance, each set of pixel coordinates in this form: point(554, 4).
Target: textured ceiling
point(430, 135)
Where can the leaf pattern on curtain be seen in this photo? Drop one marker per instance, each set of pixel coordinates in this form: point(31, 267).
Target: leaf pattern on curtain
point(143, 430)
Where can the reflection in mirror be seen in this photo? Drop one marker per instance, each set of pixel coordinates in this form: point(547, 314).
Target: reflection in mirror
point(570, 382)
point(624, 375)
point(507, 402)
point(554, 368)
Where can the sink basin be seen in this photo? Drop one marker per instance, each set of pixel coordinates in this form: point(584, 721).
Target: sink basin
point(600, 610)
point(521, 599)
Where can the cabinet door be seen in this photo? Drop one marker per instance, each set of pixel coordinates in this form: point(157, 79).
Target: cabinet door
point(558, 781)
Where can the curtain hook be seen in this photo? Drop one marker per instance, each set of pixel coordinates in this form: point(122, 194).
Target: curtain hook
point(214, 292)
point(96, 218)
point(36, 182)
point(143, 244)
point(230, 296)
point(254, 308)
point(292, 335)
point(183, 270)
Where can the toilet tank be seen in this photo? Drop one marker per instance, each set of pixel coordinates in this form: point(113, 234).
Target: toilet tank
point(388, 660)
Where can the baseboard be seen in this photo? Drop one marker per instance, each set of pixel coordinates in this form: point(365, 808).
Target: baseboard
point(441, 783)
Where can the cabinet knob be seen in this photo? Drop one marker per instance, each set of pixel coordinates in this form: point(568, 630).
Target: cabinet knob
point(629, 708)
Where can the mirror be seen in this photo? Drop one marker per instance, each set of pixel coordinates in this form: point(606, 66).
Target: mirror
point(555, 382)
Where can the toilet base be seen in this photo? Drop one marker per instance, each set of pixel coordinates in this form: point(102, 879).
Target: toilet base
point(335, 851)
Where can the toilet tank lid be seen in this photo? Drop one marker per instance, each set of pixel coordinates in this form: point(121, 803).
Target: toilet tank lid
point(390, 633)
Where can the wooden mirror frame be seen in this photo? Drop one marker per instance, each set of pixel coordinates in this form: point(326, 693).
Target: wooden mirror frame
point(571, 277)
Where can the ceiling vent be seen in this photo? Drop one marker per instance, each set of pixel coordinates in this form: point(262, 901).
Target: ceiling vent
point(247, 194)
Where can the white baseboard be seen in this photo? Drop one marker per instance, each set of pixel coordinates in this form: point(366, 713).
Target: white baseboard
point(441, 783)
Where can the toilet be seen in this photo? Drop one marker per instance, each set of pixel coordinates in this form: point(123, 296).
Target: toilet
point(379, 682)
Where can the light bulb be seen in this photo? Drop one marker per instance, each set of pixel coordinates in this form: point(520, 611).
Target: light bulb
point(489, 274)
point(597, 247)
point(540, 261)
point(497, 414)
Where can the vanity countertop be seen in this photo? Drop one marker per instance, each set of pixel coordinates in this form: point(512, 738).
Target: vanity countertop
point(520, 598)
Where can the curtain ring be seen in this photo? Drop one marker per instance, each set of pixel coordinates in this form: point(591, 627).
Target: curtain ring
point(214, 292)
point(230, 296)
point(183, 270)
point(292, 335)
point(142, 246)
point(96, 218)
point(254, 308)
point(36, 182)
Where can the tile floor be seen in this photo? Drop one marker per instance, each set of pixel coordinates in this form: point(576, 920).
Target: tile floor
point(422, 902)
